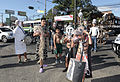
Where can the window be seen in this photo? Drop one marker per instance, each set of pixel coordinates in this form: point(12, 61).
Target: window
point(5, 29)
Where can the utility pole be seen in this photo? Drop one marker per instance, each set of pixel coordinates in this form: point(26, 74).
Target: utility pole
point(45, 8)
point(75, 13)
point(10, 20)
point(26, 18)
point(2, 18)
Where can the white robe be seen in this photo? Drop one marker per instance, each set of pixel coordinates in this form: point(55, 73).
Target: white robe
point(20, 46)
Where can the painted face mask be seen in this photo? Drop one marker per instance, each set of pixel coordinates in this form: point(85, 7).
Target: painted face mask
point(75, 39)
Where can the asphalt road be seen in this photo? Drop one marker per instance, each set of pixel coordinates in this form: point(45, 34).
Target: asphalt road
point(105, 66)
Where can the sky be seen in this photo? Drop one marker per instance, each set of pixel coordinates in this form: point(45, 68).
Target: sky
point(22, 5)
point(101, 4)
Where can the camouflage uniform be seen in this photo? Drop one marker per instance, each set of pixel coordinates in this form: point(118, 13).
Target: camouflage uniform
point(37, 46)
point(43, 41)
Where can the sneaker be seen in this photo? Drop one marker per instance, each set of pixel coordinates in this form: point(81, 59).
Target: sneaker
point(65, 70)
point(26, 60)
point(60, 61)
point(19, 61)
point(87, 74)
point(92, 49)
point(52, 51)
point(95, 51)
point(41, 70)
point(56, 61)
point(45, 65)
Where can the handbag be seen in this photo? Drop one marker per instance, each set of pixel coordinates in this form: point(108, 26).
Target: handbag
point(27, 39)
point(76, 69)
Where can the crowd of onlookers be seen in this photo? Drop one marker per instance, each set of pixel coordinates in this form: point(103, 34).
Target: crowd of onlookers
point(55, 36)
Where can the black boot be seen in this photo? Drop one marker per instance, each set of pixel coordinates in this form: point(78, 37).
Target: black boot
point(52, 51)
point(65, 70)
point(88, 74)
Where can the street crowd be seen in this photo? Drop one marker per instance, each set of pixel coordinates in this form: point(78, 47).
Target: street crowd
point(79, 43)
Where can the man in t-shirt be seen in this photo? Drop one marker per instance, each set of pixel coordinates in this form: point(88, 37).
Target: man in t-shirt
point(94, 31)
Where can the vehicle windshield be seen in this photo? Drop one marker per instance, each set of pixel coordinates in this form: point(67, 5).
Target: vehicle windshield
point(5, 29)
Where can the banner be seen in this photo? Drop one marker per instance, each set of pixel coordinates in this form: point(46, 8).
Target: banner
point(63, 18)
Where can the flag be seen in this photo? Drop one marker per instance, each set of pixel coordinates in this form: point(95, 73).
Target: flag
point(40, 11)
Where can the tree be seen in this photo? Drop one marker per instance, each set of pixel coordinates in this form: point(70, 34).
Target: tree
point(53, 12)
point(66, 7)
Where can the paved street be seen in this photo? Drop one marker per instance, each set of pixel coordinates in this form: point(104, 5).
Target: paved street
point(105, 66)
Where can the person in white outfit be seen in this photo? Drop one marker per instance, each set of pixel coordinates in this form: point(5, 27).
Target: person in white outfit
point(94, 32)
point(20, 46)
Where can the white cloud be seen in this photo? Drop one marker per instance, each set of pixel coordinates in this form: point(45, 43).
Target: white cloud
point(115, 10)
point(108, 8)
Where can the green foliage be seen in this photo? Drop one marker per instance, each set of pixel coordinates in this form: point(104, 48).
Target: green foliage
point(49, 15)
point(67, 7)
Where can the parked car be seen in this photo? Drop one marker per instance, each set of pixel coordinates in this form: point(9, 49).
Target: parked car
point(116, 45)
point(6, 34)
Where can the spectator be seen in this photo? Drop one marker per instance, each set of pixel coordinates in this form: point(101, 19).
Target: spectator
point(69, 49)
point(20, 46)
point(43, 33)
point(57, 45)
point(94, 31)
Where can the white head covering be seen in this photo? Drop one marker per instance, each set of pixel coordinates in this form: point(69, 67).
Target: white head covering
point(17, 22)
point(20, 23)
point(94, 21)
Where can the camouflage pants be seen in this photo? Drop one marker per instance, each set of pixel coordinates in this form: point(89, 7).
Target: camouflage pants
point(42, 52)
point(37, 49)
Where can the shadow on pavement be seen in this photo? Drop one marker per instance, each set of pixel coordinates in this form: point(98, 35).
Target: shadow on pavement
point(115, 78)
point(7, 56)
point(104, 49)
point(13, 55)
point(54, 66)
point(31, 53)
point(49, 61)
point(18, 65)
point(100, 58)
point(101, 66)
point(97, 59)
point(4, 45)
